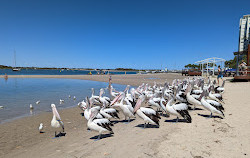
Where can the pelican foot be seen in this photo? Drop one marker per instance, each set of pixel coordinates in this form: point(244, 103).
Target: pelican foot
point(177, 119)
point(99, 137)
point(211, 115)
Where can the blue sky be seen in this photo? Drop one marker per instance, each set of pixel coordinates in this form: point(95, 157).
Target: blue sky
point(142, 34)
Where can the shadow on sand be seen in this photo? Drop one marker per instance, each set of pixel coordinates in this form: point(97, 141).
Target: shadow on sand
point(191, 109)
point(60, 134)
point(103, 136)
point(174, 121)
point(148, 126)
point(121, 121)
point(164, 115)
point(208, 116)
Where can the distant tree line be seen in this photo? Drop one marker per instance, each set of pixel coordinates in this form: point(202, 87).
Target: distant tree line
point(195, 66)
point(126, 69)
point(5, 67)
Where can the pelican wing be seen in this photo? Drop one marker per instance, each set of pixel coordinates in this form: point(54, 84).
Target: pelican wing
point(104, 123)
point(215, 104)
point(180, 106)
point(148, 110)
point(150, 113)
point(112, 112)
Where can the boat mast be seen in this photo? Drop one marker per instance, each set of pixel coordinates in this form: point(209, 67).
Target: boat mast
point(15, 58)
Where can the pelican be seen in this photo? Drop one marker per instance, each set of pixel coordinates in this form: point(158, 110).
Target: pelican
point(82, 105)
point(216, 96)
point(191, 98)
point(211, 105)
point(31, 107)
point(154, 102)
point(38, 102)
point(127, 110)
point(113, 93)
point(149, 115)
point(103, 99)
point(93, 97)
point(40, 128)
point(99, 125)
point(56, 121)
point(220, 89)
point(88, 109)
point(178, 109)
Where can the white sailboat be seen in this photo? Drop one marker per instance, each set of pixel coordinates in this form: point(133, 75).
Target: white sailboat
point(15, 68)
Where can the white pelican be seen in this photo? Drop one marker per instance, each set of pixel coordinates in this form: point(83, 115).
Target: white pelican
point(38, 102)
point(113, 92)
point(220, 89)
point(94, 97)
point(99, 125)
point(218, 96)
point(31, 107)
point(178, 109)
point(153, 101)
point(191, 98)
point(56, 121)
point(147, 114)
point(82, 105)
point(40, 128)
point(211, 105)
point(102, 98)
point(88, 109)
point(215, 96)
point(127, 110)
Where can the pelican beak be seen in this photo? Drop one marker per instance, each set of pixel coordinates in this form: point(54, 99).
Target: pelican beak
point(137, 105)
point(115, 99)
point(55, 112)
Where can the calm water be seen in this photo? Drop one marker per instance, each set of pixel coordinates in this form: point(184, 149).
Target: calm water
point(16, 94)
point(56, 72)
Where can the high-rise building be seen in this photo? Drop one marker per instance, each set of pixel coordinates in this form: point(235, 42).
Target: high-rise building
point(244, 38)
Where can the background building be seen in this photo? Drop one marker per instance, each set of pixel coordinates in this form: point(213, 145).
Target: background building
point(244, 38)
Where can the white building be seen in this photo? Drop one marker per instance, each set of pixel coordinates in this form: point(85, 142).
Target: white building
point(244, 38)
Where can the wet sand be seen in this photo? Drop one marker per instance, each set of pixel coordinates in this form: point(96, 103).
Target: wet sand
point(204, 137)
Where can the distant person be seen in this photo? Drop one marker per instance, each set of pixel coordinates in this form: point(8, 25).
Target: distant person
point(219, 74)
point(5, 76)
point(243, 68)
point(110, 81)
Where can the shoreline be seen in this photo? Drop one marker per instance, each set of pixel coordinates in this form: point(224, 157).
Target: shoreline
point(128, 79)
point(203, 137)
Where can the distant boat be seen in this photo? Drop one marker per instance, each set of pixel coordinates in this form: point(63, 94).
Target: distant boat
point(15, 68)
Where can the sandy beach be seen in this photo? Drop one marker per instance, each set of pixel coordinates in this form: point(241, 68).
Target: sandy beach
point(204, 137)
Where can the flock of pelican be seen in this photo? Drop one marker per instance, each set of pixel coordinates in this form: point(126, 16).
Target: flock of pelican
point(149, 103)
